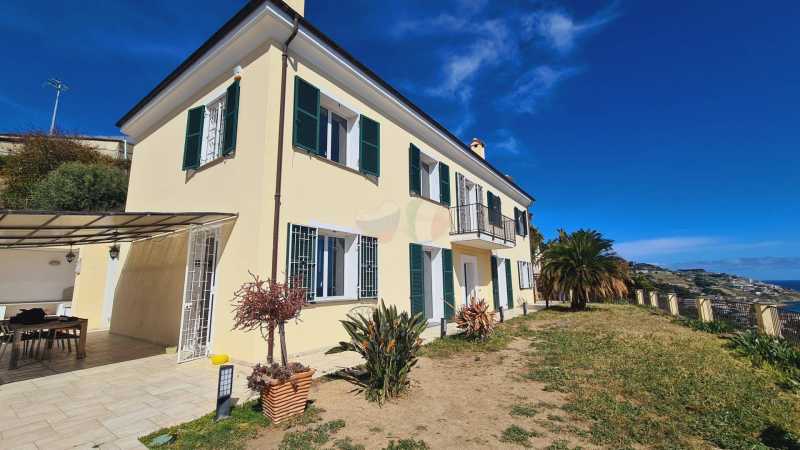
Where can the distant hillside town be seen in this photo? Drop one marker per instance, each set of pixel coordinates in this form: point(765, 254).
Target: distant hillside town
point(691, 283)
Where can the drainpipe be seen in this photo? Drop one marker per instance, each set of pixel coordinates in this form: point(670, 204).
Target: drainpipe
point(278, 176)
point(279, 165)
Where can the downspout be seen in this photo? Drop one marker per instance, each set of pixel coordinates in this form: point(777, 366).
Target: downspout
point(278, 176)
point(279, 165)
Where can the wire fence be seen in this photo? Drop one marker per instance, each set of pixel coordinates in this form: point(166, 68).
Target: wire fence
point(740, 315)
point(788, 324)
point(687, 307)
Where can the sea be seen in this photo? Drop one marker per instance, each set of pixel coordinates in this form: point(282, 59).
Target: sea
point(788, 284)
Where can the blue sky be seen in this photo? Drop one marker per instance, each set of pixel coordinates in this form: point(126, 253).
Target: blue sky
point(673, 128)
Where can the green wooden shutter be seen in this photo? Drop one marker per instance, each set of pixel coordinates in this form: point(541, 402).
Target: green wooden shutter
point(495, 285)
point(369, 161)
point(417, 279)
point(306, 115)
point(447, 278)
point(509, 287)
point(444, 184)
point(231, 119)
point(194, 138)
point(516, 221)
point(414, 180)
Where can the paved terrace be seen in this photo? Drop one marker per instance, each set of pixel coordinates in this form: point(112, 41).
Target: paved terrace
point(124, 389)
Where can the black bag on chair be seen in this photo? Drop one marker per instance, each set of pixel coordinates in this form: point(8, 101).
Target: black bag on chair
point(28, 316)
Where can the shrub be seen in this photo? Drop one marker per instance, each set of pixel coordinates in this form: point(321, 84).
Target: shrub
point(263, 305)
point(714, 327)
point(76, 186)
point(475, 320)
point(389, 343)
point(38, 155)
point(771, 350)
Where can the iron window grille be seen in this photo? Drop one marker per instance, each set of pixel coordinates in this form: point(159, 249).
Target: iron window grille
point(368, 270)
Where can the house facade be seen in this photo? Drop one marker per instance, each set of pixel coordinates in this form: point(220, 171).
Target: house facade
point(339, 183)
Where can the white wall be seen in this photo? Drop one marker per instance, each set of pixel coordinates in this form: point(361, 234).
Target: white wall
point(28, 276)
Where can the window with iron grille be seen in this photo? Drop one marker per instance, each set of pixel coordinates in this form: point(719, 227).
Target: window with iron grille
point(214, 128)
point(302, 258)
point(368, 270)
point(331, 264)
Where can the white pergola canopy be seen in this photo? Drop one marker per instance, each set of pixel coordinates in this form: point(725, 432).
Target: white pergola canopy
point(21, 229)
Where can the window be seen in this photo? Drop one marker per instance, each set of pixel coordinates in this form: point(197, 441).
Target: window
point(525, 274)
point(493, 202)
point(521, 221)
point(428, 178)
point(332, 264)
point(327, 128)
point(211, 129)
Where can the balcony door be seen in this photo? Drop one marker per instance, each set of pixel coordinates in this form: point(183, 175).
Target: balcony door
point(469, 198)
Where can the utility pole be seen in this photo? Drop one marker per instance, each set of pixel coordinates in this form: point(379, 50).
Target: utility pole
point(59, 86)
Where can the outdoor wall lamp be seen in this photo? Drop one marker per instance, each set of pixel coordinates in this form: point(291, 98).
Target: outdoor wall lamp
point(113, 251)
point(70, 256)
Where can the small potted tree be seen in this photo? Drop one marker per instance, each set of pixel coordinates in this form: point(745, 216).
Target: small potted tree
point(266, 305)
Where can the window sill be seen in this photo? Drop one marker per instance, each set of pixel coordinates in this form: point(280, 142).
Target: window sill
point(341, 301)
point(429, 200)
point(335, 163)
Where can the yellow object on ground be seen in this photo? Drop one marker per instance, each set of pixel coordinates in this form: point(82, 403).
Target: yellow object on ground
point(219, 359)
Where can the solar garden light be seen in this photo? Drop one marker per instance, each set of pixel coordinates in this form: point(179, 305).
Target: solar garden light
point(525, 309)
point(224, 390)
point(502, 317)
point(443, 327)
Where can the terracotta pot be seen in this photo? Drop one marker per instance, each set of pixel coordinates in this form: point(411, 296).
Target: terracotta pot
point(281, 400)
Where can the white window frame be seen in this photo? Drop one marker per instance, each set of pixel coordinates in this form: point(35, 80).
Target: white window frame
point(429, 181)
point(353, 118)
point(213, 137)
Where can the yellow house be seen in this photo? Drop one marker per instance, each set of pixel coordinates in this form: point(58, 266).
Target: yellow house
point(337, 180)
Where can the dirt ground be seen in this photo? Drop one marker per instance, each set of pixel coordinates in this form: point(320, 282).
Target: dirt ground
point(460, 402)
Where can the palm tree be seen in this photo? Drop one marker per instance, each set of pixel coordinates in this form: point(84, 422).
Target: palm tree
point(583, 266)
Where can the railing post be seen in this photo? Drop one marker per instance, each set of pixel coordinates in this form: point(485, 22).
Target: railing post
point(640, 296)
point(672, 300)
point(654, 299)
point(767, 319)
point(704, 310)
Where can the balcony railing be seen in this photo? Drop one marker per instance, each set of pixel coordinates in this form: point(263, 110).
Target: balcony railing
point(479, 219)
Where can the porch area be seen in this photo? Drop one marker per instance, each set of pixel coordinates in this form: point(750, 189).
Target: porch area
point(123, 389)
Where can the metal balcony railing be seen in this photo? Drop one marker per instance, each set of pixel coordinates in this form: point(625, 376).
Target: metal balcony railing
point(478, 218)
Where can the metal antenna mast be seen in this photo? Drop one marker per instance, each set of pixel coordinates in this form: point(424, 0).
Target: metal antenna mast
point(59, 86)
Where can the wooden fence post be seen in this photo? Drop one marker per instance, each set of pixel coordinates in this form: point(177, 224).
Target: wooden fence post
point(704, 311)
point(672, 300)
point(767, 319)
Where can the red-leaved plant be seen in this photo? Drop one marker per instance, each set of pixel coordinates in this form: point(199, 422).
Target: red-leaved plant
point(265, 305)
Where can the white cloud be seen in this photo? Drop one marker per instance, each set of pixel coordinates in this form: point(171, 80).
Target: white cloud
point(560, 31)
point(505, 141)
point(534, 86)
point(646, 248)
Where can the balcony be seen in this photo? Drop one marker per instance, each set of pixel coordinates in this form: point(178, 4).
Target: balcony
point(476, 226)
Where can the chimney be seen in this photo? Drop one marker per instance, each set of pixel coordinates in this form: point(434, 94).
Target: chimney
point(297, 5)
point(478, 147)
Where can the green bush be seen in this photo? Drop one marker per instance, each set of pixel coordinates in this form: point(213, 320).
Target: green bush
point(389, 343)
point(713, 327)
point(769, 350)
point(36, 157)
point(81, 187)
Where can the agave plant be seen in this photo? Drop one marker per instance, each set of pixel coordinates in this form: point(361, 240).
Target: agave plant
point(475, 320)
point(388, 341)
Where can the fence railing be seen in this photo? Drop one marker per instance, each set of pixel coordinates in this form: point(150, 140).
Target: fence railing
point(477, 218)
point(773, 319)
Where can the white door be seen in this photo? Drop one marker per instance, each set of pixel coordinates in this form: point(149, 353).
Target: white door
point(198, 300)
point(469, 277)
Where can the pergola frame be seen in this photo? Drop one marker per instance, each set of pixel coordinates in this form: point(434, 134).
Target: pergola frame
point(26, 229)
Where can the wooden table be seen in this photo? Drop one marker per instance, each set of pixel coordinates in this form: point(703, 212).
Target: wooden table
point(51, 324)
